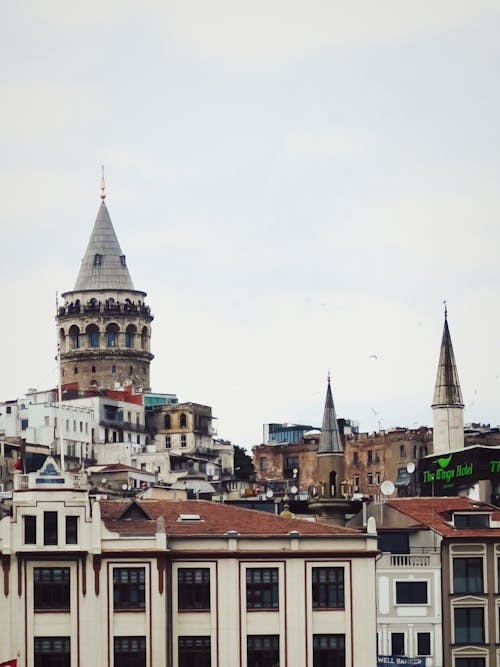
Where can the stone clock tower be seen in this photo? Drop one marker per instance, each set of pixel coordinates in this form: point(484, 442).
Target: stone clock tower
point(104, 325)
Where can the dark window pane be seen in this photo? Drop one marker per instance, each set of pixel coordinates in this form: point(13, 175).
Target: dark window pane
point(52, 652)
point(394, 543)
point(50, 528)
point(71, 530)
point(467, 575)
point(397, 643)
point(30, 530)
point(469, 625)
point(328, 651)
point(129, 588)
point(194, 652)
point(193, 588)
point(51, 588)
point(262, 588)
point(423, 643)
point(263, 651)
point(471, 520)
point(328, 587)
point(411, 592)
point(129, 652)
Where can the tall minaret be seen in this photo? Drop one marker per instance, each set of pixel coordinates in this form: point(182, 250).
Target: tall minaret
point(330, 449)
point(447, 405)
point(104, 326)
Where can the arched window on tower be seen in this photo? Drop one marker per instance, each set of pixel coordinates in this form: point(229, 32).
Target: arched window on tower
point(130, 334)
point(92, 332)
point(183, 420)
point(112, 332)
point(62, 341)
point(167, 421)
point(145, 339)
point(74, 337)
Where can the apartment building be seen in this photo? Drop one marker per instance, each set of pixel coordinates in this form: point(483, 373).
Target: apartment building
point(141, 583)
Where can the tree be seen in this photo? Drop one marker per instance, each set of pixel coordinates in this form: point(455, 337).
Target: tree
point(243, 465)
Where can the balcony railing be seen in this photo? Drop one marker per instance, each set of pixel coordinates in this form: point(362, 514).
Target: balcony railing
point(410, 560)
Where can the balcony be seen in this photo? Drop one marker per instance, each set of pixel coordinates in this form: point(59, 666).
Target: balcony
point(427, 558)
point(410, 560)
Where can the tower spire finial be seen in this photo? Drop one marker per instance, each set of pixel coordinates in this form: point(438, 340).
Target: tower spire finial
point(329, 377)
point(445, 309)
point(103, 184)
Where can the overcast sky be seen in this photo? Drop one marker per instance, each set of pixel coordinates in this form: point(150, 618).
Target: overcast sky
point(297, 185)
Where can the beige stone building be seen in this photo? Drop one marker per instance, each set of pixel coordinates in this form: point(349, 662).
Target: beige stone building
point(142, 583)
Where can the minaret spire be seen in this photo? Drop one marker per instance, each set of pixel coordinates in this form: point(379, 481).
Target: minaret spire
point(447, 404)
point(329, 442)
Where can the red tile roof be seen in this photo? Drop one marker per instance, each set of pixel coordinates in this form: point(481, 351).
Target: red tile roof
point(437, 513)
point(216, 519)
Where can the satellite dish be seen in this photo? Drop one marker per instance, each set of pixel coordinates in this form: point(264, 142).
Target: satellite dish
point(269, 493)
point(410, 467)
point(293, 490)
point(387, 487)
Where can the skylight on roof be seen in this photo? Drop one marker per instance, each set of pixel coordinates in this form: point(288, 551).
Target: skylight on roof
point(188, 518)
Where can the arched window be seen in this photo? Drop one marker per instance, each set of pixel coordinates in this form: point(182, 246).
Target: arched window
point(113, 369)
point(131, 370)
point(74, 337)
point(167, 421)
point(145, 338)
point(183, 420)
point(112, 332)
point(130, 334)
point(92, 332)
point(93, 370)
point(402, 452)
point(75, 370)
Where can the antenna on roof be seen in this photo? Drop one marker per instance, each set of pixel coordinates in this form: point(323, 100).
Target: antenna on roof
point(103, 184)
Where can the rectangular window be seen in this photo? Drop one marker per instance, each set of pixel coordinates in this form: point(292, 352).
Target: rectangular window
point(193, 588)
point(469, 625)
point(471, 520)
point(50, 528)
point(423, 643)
point(71, 530)
point(468, 575)
point(262, 588)
point(470, 662)
point(328, 587)
point(129, 652)
point(411, 592)
point(263, 650)
point(194, 652)
point(52, 652)
point(369, 455)
point(129, 588)
point(328, 651)
point(355, 458)
point(51, 588)
point(183, 441)
point(29, 529)
point(370, 479)
point(263, 463)
point(356, 483)
point(24, 424)
point(168, 442)
point(394, 543)
point(397, 643)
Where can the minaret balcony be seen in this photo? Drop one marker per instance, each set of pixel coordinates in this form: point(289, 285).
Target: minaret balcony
point(103, 353)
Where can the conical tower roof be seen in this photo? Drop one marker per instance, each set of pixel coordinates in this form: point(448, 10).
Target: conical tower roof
point(103, 266)
point(447, 390)
point(329, 441)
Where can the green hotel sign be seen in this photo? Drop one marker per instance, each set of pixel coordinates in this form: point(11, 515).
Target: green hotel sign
point(445, 474)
